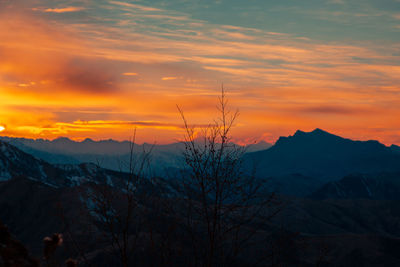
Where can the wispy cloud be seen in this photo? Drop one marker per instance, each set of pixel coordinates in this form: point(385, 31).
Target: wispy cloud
point(64, 9)
point(134, 6)
point(335, 110)
point(117, 124)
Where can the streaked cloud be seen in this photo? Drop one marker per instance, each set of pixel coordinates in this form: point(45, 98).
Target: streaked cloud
point(335, 110)
point(134, 6)
point(129, 124)
point(60, 10)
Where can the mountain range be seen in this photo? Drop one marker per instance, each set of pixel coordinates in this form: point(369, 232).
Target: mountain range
point(109, 154)
point(337, 193)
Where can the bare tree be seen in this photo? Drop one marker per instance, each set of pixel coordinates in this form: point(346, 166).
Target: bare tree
point(225, 204)
point(117, 212)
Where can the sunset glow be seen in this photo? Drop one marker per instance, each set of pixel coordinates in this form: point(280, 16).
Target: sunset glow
point(99, 68)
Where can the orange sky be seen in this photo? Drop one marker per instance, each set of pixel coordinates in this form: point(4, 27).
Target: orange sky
point(77, 72)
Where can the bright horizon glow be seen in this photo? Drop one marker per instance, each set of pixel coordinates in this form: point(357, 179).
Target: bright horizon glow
point(2, 128)
point(98, 69)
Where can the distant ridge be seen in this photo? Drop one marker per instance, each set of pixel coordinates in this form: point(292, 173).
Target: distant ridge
point(16, 163)
point(109, 153)
point(64, 145)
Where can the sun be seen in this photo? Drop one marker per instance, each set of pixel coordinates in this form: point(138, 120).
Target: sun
point(2, 128)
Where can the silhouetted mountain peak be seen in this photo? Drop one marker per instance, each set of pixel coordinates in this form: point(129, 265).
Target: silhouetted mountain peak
point(62, 140)
point(319, 153)
point(303, 139)
point(319, 131)
point(299, 133)
point(315, 133)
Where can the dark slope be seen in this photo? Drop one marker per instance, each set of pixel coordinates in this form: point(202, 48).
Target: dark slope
point(323, 155)
point(341, 216)
point(373, 186)
point(350, 250)
point(395, 148)
point(295, 184)
point(30, 209)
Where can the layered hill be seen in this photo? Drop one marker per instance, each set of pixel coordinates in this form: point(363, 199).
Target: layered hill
point(109, 154)
point(14, 162)
point(362, 186)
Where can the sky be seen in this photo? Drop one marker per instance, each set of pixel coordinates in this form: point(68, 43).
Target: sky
point(97, 69)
